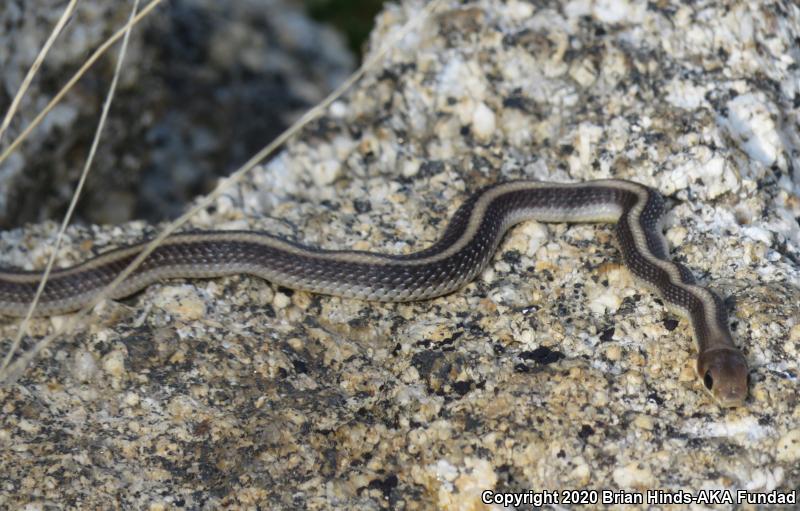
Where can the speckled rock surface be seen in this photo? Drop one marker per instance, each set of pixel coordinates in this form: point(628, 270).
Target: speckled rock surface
point(205, 85)
point(553, 370)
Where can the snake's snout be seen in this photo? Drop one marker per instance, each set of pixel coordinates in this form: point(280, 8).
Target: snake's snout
point(725, 375)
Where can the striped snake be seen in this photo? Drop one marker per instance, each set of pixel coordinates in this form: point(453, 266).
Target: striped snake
point(464, 249)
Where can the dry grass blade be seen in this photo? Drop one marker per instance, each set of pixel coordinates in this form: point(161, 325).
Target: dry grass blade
point(37, 63)
point(89, 159)
point(13, 371)
point(72, 81)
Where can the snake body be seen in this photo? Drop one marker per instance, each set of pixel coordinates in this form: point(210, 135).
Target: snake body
point(464, 249)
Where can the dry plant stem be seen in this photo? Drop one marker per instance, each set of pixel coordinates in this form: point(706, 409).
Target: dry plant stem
point(37, 63)
point(13, 371)
point(72, 81)
point(68, 216)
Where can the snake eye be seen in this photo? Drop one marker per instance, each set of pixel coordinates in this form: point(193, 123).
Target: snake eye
point(708, 380)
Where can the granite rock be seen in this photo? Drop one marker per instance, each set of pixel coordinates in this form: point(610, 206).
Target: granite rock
point(204, 85)
point(553, 370)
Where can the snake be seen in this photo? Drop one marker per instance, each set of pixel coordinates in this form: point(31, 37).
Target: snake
point(463, 250)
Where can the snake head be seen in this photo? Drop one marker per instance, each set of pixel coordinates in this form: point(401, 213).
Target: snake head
point(725, 376)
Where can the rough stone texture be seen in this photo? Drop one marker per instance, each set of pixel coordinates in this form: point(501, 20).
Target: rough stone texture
point(553, 370)
point(205, 85)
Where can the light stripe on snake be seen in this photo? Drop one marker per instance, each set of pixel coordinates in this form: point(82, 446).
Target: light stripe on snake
point(464, 249)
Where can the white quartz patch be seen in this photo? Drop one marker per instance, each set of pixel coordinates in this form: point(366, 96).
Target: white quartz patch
point(483, 122)
point(746, 427)
point(750, 122)
point(461, 79)
point(633, 475)
point(701, 163)
point(618, 11)
point(685, 94)
point(756, 233)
